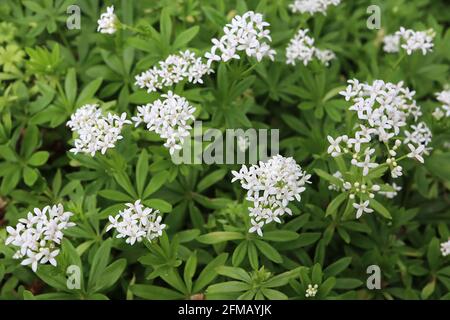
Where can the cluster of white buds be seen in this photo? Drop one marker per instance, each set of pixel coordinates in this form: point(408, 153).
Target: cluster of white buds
point(246, 33)
point(95, 131)
point(137, 222)
point(410, 41)
point(312, 6)
point(168, 118)
point(108, 21)
point(176, 68)
point(311, 291)
point(271, 186)
point(39, 234)
point(384, 110)
point(445, 248)
point(444, 110)
point(301, 48)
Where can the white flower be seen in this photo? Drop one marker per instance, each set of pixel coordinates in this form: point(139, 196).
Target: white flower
point(301, 48)
point(311, 291)
point(38, 235)
point(95, 131)
point(410, 41)
point(334, 148)
point(445, 248)
point(168, 118)
point(271, 186)
point(312, 6)
point(366, 165)
point(361, 208)
point(416, 152)
point(174, 69)
point(256, 227)
point(246, 33)
point(108, 21)
point(136, 222)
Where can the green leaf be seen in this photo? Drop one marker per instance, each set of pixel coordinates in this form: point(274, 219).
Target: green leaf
point(334, 205)
point(141, 171)
point(270, 252)
point(151, 292)
point(158, 204)
point(280, 235)
point(165, 25)
point(155, 183)
point(99, 262)
point(30, 175)
point(234, 273)
point(70, 86)
point(38, 158)
point(185, 37)
point(115, 195)
point(211, 179)
point(220, 236)
point(337, 267)
point(110, 275)
point(209, 273)
point(378, 207)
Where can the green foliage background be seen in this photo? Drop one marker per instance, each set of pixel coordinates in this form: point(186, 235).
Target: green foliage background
point(48, 71)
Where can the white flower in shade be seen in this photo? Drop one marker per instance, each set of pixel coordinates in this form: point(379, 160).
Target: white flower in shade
point(312, 6)
point(391, 194)
point(95, 131)
point(445, 248)
point(38, 235)
point(271, 186)
point(169, 118)
point(325, 56)
point(416, 152)
point(137, 222)
point(301, 48)
point(391, 43)
point(108, 21)
point(444, 110)
point(361, 208)
point(410, 41)
point(311, 291)
point(246, 33)
point(176, 68)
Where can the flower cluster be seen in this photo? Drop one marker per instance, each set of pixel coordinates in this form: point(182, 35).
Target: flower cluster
point(444, 110)
point(39, 234)
point(301, 48)
point(410, 41)
point(168, 118)
point(383, 110)
point(245, 33)
point(108, 21)
point(95, 131)
point(312, 6)
point(174, 69)
point(137, 222)
point(311, 291)
point(271, 186)
point(445, 248)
